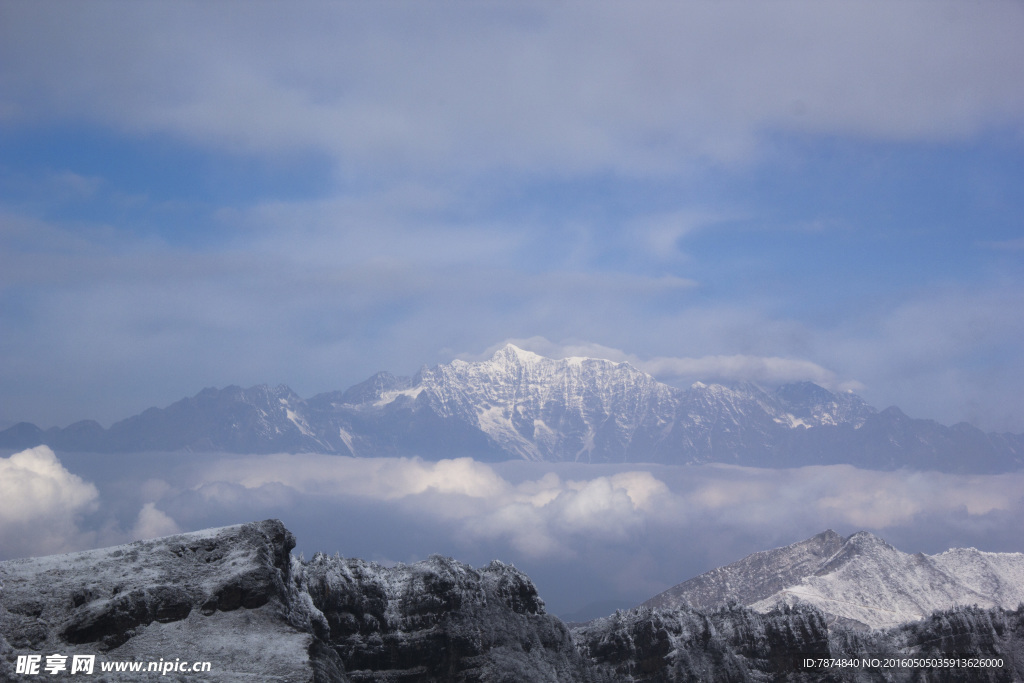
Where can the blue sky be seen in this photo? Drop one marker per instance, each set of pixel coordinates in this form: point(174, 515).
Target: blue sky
point(192, 196)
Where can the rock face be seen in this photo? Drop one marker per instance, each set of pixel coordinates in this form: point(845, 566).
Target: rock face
point(439, 620)
point(518, 405)
point(861, 581)
point(226, 596)
point(735, 644)
point(235, 598)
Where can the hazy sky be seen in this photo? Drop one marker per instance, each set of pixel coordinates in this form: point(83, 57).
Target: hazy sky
point(204, 194)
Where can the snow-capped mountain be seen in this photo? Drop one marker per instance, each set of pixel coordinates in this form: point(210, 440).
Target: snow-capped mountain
point(542, 409)
point(860, 580)
point(518, 404)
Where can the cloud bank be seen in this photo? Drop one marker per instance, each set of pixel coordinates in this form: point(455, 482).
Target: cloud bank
point(41, 504)
point(583, 532)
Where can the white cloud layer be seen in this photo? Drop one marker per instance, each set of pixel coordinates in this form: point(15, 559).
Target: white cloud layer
point(41, 504)
point(583, 532)
point(558, 516)
point(153, 523)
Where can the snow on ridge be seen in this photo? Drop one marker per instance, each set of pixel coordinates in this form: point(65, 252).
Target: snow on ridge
point(299, 422)
point(521, 354)
point(346, 438)
point(860, 579)
point(873, 583)
point(86, 557)
point(391, 396)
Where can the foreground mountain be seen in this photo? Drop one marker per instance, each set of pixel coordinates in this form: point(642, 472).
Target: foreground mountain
point(235, 598)
point(519, 405)
point(799, 644)
point(225, 596)
point(860, 581)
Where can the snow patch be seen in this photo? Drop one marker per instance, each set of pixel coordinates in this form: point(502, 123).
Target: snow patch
point(391, 396)
point(298, 422)
point(346, 438)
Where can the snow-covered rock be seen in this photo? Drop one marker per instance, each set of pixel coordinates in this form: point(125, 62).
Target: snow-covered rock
point(860, 580)
point(235, 598)
point(224, 596)
point(439, 620)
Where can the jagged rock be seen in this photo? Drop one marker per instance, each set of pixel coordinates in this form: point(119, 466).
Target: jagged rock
point(220, 595)
point(440, 620)
point(735, 644)
point(236, 598)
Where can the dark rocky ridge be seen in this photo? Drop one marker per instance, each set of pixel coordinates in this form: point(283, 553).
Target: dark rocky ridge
point(235, 597)
point(521, 405)
point(734, 644)
point(440, 620)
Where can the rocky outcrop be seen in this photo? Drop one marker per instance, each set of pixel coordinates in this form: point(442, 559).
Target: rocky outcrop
point(219, 596)
point(235, 597)
point(685, 645)
point(440, 620)
point(735, 644)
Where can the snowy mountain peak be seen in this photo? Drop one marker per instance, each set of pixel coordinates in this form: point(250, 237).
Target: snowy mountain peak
point(516, 356)
point(860, 580)
point(511, 352)
point(865, 540)
point(541, 408)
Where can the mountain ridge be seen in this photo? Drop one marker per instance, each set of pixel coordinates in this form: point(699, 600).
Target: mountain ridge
point(861, 581)
point(237, 599)
point(520, 405)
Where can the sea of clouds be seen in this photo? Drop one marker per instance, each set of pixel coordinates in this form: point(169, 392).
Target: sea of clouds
point(585, 533)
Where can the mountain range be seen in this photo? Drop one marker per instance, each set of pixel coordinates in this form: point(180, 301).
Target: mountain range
point(860, 581)
point(519, 405)
point(235, 599)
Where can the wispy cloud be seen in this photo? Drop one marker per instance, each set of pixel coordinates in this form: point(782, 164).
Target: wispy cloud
point(758, 369)
point(634, 88)
point(1016, 244)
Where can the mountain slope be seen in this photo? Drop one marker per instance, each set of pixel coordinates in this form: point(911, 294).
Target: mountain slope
point(860, 580)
